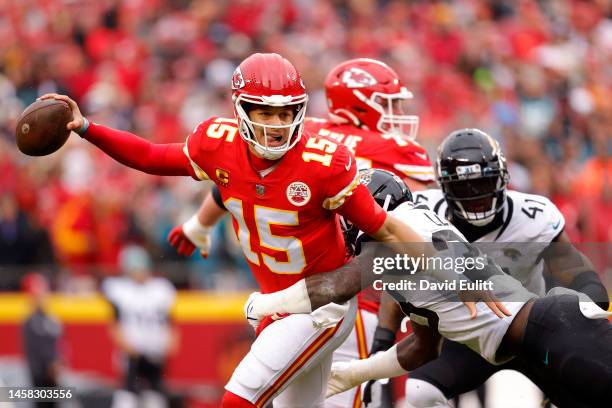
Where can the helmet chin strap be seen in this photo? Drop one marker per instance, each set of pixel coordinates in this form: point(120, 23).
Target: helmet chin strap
point(480, 222)
point(472, 231)
point(479, 219)
point(268, 154)
point(263, 150)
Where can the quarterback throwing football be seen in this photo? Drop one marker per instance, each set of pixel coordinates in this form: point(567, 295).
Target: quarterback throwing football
point(283, 192)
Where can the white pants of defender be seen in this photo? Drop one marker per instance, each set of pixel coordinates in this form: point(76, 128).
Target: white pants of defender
point(356, 346)
point(290, 360)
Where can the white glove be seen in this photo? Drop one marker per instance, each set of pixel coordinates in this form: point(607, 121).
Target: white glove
point(293, 299)
point(249, 310)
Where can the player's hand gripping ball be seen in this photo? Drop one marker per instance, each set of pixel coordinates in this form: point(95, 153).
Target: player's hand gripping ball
point(41, 129)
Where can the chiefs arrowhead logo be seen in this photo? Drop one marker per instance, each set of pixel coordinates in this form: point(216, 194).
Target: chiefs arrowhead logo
point(358, 78)
point(237, 79)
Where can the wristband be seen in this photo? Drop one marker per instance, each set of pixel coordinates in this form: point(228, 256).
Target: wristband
point(382, 334)
point(83, 128)
point(196, 232)
point(383, 340)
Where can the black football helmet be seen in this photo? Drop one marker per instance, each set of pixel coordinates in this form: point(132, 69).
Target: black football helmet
point(471, 170)
point(388, 190)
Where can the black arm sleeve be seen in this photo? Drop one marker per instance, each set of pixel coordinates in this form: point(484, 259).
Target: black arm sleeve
point(217, 197)
point(590, 284)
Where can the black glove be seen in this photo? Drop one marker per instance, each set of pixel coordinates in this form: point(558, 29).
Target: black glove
point(384, 339)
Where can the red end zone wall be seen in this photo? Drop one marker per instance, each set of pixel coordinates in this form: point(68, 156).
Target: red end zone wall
point(214, 335)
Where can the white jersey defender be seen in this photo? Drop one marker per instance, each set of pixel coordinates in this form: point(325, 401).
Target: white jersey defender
point(482, 334)
point(530, 223)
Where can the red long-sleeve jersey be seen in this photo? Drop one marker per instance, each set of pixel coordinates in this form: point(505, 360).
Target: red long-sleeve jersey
point(285, 217)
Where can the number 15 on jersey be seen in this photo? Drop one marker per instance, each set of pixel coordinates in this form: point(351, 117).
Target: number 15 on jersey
point(265, 217)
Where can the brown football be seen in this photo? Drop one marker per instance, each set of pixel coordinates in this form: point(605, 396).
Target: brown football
point(41, 128)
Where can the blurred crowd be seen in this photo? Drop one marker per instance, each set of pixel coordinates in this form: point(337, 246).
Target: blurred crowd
point(535, 74)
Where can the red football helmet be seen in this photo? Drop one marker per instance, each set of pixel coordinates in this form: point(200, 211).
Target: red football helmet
point(369, 94)
point(271, 80)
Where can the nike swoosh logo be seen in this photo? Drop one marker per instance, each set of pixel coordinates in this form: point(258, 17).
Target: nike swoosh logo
point(348, 166)
point(557, 225)
point(422, 156)
point(546, 359)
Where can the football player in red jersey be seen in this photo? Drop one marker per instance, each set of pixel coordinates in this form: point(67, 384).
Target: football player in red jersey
point(284, 192)
point(365, 99)
point(367, 113)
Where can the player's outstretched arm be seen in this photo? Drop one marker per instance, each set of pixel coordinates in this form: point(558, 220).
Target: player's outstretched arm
point(410, 353)
point(312, 292)
point(195, 232)
point(397, 234)
point(572, 269)
point(339, 286)
point(127, 148)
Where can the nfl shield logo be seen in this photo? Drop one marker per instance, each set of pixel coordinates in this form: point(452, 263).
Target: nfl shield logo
point(259, 189)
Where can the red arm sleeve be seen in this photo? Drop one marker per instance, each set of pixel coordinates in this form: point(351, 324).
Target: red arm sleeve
point(140, 154)
point(361, 209)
